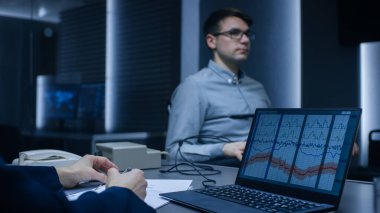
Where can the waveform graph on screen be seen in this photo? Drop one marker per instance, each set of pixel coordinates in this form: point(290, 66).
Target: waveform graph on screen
point(311, 150)
point(262, 144)
point(285, 148)
point(333, 151)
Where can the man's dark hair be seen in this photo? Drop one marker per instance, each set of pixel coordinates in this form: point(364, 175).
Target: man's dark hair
point(212, 23)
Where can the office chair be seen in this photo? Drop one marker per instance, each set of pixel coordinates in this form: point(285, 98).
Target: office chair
point(10, 142)
point(374, 149)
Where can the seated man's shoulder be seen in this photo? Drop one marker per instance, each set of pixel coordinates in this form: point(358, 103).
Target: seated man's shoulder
point(196, 79)
point(252, 81)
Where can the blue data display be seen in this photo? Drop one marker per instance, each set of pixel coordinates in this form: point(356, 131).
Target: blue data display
point(297, 149)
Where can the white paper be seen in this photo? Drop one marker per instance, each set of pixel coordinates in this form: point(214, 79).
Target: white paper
point(75, 196)
point(155, 187)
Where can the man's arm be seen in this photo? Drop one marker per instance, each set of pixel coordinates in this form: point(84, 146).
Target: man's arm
point(188, 111)
point(38, 189)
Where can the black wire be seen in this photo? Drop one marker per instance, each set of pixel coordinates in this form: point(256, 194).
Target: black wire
point(201, 170)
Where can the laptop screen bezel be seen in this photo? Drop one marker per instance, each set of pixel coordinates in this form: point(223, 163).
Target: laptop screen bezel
point(300, 193)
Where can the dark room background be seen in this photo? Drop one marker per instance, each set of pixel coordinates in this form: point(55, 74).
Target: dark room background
point(307, 54)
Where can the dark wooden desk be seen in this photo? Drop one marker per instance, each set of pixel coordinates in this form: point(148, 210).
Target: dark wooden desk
point(357, 196)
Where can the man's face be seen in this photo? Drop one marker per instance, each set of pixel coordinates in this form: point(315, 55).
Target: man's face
point(227, 48)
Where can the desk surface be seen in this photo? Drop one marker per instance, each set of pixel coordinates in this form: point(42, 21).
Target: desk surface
point(357, 196)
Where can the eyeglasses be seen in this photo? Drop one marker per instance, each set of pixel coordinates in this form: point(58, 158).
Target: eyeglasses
point(237, 34)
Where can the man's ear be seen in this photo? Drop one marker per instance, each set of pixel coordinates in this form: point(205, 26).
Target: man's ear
point(211, 41)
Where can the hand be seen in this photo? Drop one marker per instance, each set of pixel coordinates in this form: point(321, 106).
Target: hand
point(85, 169)
point(355, 149)
point(133, 180)
point(234, 149)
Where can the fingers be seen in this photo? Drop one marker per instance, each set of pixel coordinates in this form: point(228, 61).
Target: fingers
point(112, 173)
point(355, 149)
point(133, 180)
point(114, 178)
point(95, 175)
point(90, 167)
point(240, 151)
point(139, 183)
point(103, 164)
point(239, 156)
point(234, 149)
point(241, 146)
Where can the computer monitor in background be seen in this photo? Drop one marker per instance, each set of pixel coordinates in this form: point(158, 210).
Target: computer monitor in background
point(71, 107)
point(61, 101)
point(57, 105)
point(90, 114)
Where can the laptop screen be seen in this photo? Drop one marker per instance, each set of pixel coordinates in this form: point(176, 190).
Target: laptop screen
point(305, 149)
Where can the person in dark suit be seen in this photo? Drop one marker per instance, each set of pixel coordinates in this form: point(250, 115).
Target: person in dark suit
point(41, 189)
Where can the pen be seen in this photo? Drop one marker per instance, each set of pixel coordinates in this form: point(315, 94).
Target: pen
point(126, 170)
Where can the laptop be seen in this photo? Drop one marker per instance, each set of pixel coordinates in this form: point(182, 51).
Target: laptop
point(295, 160)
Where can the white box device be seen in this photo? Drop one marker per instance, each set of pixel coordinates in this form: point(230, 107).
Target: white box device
point(130, 155)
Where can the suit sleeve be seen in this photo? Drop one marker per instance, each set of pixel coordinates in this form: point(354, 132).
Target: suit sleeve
point(37, 189)
point(114, 199)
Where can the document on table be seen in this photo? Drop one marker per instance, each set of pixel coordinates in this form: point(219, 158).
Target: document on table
point(155, 187)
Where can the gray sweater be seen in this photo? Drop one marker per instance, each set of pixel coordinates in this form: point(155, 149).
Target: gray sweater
point(209, 102)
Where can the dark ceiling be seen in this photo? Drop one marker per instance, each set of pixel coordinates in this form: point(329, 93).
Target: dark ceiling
point(41, 10)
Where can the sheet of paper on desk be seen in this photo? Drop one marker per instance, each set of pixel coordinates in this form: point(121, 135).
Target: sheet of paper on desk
point(76, 193)
point(155, 187)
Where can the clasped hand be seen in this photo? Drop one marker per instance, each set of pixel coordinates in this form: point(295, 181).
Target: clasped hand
point(234, 149)
point(92, 167)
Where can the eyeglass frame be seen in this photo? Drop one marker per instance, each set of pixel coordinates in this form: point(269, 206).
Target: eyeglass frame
point(251, 35)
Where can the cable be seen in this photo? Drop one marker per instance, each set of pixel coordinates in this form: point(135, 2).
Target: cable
point(196, 169)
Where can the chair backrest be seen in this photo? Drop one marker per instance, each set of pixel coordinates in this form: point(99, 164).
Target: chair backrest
point(374, 149)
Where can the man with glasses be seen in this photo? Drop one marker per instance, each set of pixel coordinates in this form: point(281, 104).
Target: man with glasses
point(211, 111)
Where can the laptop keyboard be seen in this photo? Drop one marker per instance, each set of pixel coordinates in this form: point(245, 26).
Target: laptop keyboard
point(258, 199)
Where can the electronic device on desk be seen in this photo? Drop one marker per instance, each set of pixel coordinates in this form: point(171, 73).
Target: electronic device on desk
point(130, 155)
point(295, 160)
point(46, 157)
